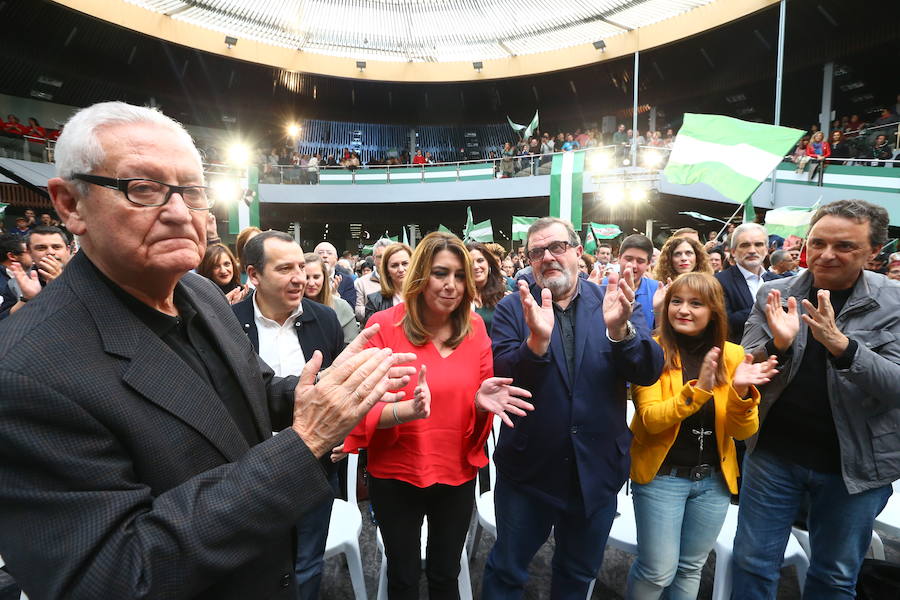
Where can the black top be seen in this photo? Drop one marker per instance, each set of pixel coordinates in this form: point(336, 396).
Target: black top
point(566, 319)
point(799, 427)
point(188, 337)
point(696, 441)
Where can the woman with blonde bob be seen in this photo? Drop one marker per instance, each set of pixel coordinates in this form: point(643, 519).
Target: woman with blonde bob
point(392, 271)
point(683, 463)
point(424, 453)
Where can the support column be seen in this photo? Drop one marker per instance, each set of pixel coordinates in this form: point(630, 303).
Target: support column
point(412, 142)
point(634, 107)
point(825, 117)
point(779, 70)
point(653, 118)
point(297, 231)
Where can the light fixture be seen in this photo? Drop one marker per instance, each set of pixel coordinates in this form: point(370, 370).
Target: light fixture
point(478, 65)
point(614, 196)
point(599, 45)
point(361, 65)
point(230, 41)
point(225, 189)
point(652, 158)
point(238, 154)
point(293, 130)
point(599, 161)
point(638, 195)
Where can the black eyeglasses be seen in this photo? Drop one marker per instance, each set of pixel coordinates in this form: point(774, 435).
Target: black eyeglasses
point(557, 248)
point(149, 192)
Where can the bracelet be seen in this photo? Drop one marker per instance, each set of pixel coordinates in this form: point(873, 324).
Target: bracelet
point(396, 416)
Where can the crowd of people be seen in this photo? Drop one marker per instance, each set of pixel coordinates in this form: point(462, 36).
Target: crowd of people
point(20, 140)
point(140, 462)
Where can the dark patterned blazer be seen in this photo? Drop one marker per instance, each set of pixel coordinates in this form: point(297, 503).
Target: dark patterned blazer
point(122, 474)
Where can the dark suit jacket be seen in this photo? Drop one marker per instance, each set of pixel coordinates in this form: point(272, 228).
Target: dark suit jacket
point(738, 301)
point(122, 474)
point(346, 289)
point(8, 298)
point(583, 420)
point(317, 329)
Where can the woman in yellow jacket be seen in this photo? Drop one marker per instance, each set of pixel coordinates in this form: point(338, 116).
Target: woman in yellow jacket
point(683, 464)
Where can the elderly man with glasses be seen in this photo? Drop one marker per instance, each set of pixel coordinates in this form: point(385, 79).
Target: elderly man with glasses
point(136, 444)
point(573, 345)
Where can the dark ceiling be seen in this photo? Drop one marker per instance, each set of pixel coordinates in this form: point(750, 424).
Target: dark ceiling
point(730, 70)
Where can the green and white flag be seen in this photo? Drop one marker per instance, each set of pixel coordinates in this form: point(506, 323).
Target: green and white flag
point(566, 186)
point(789, 220)
point(515, 126)
point(531, 126)
point(700, 216)
point(468, 228)
point(405, 236)
point(441, 227)
point(729, 155)
point(3, 209)
point(590, 241)
point(599, 231)
point(520, 227)
point(244, 211)
point(481, 232)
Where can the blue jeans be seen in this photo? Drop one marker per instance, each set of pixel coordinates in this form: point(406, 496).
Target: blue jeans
point(312, 533)
point(678, 521)
point(523, 525)
point(840, 528)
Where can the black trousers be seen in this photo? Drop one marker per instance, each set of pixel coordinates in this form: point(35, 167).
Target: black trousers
point(399, 509)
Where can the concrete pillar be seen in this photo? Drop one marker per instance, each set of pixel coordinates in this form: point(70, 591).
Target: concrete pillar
point(653, 118)
point(825, 117)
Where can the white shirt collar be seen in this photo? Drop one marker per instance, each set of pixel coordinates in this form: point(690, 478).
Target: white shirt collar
point(748, 275)
point(261, 319)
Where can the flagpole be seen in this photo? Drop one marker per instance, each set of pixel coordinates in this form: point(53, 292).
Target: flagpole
point(733, 215)
point(634, 107)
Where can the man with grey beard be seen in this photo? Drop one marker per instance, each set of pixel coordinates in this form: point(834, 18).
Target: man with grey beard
point(574, 345)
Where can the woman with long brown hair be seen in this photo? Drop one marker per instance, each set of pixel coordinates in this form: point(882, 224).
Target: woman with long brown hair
point(424, 453)
point(683, 461)
point(490, 284)
point(680, 255)
point(221, 267)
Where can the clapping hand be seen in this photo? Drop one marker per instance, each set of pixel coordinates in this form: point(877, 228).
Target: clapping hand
point(617, 303)
point(706, 381)
point(496, 395)
point(659, 296)
point(421, 402)
point(28, 281)
point(822, 326)
point(783, 325)
point(749, 373)
point(538, 317)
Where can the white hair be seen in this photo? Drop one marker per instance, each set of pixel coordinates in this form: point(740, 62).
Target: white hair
point(744, 228)
point(326, 246)
point(78, 149)
point(382, 243)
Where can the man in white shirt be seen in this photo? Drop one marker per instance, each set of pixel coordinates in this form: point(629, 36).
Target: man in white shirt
point(369, 283)
point(285, 329)
point(749, 247)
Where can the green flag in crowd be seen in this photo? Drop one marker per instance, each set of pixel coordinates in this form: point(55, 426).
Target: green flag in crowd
point(566, 186)
point(520, 227)
point(729, 155)
point(481, 232)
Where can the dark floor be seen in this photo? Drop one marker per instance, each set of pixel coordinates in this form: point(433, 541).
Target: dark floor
point(611, 585)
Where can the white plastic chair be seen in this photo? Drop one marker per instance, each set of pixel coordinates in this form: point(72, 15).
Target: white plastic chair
point(344, 529)
point(465, 581)
point(485, 517)
point(876, 547)
point(888, 521)
point(623, 533)
point(793, 555)
point(23, 596)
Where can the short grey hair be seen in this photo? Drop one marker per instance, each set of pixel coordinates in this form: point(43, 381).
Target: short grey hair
point(778, 256)
point(78, 149)
point(326, 245)
point(744, 228)
point(545, 222)
point(382, 243)
point(861, 212)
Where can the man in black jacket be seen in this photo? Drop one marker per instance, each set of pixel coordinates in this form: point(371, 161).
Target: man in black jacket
point(285, 329)
point(749, 247)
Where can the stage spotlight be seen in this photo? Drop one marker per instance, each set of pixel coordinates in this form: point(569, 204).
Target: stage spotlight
point(600, 45)
point(238, 154)
point(224, 190)
point(599, 161)
point(638, 195)
point(293, 130)
point(652, 158)
point(230, 41)
point(614, 196)
point(626, 162)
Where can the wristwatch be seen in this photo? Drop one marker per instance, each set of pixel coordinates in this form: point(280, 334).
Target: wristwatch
point(630, 332)
point(23, 299)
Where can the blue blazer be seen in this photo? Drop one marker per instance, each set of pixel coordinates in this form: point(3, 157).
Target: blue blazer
point(576, 425)
point(738, 301)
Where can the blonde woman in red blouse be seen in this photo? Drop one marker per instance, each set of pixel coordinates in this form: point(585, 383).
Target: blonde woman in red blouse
point(424, 452)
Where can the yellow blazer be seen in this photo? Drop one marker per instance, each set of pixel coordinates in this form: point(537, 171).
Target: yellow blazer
point(661, 407)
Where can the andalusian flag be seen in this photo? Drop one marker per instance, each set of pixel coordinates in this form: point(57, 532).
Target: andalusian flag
point(405, 236)
point(566, 174)
point(481, 232)
point(789, 220)
point(599, 231)
point(520, 227)
point(444, 229)
point(468, 228)
point(244, 211)
point(729, 155)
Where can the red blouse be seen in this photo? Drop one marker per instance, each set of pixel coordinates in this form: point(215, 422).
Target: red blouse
point(448, 446)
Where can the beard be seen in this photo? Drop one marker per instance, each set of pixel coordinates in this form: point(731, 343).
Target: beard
point(559, 285)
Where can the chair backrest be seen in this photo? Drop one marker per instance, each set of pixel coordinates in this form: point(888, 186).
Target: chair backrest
point(352, 467)
point(493, 438)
